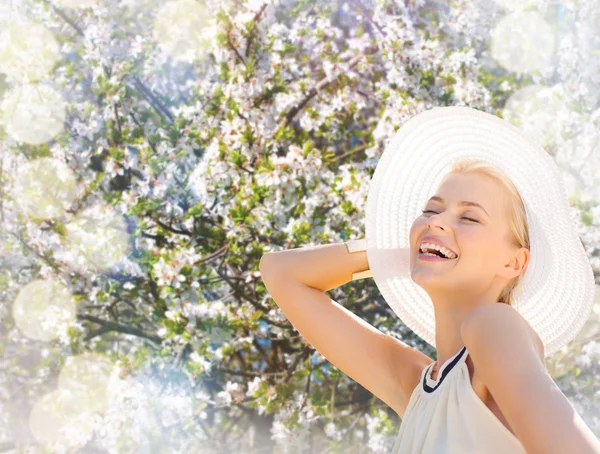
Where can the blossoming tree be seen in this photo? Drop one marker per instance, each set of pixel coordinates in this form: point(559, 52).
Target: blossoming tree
point(152, 152)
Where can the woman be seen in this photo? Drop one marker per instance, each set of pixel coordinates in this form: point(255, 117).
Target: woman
point(469, 240)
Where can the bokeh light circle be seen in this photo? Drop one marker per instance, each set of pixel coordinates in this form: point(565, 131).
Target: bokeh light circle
point(536, 110)
point(33, 113)
point(28, 51)
point(523, 42)
point(99, 236)
point(182, 30)
point(57, 418)
point(87, 377)
point(45, 188)
point(43, 309)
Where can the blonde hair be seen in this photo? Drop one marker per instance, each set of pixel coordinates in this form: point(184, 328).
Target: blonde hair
point(519, 229)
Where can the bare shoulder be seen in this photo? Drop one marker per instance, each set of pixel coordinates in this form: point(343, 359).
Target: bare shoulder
point(490, 324)
point(508, 316)
point(536, 339)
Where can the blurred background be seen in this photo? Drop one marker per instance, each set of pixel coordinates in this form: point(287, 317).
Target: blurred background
point(152, 151)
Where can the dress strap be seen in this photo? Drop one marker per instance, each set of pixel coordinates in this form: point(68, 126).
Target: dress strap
point(430, 385)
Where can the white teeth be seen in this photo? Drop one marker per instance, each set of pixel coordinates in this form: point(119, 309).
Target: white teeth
point(447, 252)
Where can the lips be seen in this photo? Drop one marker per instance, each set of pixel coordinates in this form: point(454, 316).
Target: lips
point(430, 239)
point(425, 256)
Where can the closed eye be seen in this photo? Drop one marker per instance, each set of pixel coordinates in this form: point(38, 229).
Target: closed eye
point(464, 217)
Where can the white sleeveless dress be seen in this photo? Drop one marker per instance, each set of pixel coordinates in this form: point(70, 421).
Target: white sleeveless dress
point(446, 416)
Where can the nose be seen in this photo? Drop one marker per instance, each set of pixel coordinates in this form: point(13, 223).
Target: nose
point(435, 220)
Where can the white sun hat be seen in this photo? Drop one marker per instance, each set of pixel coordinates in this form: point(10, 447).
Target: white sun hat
point(556, 293)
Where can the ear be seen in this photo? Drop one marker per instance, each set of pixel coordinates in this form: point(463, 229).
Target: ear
point(517, 264)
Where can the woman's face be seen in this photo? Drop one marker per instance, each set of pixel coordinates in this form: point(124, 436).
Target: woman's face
point(479, 235)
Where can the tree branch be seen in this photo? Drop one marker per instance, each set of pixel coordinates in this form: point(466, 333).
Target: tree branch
point(256, 19)
point(152, 99)
point(323, 83)
point(234, 49)
point(171, 229)
point(112, 326)
point(367, 15)
point(357, 149)
point(149, 96)
point(135, 120)
point(64, 17)
point(96, 333)
point(242, 373)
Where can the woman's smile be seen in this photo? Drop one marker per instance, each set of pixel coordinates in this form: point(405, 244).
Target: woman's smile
point(427, 257)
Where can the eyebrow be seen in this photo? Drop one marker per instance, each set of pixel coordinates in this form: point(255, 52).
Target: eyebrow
point(461, 203)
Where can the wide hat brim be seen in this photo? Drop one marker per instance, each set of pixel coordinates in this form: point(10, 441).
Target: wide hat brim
point(556, 293)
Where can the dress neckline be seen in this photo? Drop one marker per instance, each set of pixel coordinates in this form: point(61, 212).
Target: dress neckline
point(430, 385)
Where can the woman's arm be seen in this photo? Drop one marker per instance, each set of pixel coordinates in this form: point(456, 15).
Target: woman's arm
point(505, 358)
point(297, 280)
point(322, 267)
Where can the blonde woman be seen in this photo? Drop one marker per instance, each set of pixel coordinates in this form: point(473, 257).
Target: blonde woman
point(469, 240)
